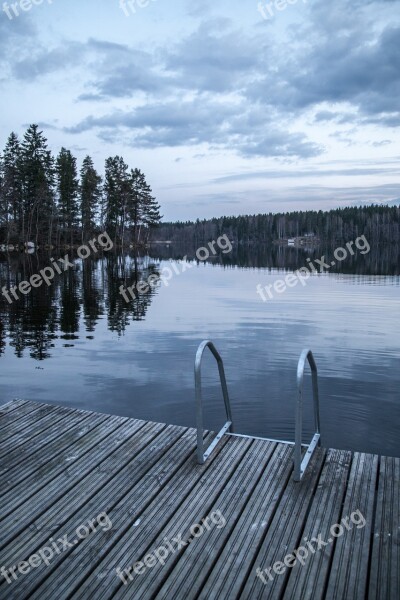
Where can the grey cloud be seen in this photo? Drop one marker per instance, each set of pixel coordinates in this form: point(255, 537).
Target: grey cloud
point(308, 197)
point(130, 79)
point(325, 115)
point(351, 66)
point(14, 34)
point(199, 8)
point(42, 62)
point(337, 117)
point(200, 121)
point(213, 58)
point(105, 46)
point(381, 143)
point(298, 174)
point(245, 88)
point(216, 58)
point(89, 97)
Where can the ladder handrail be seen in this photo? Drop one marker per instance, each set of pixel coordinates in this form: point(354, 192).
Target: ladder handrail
point(299, 465)
point(202, 454)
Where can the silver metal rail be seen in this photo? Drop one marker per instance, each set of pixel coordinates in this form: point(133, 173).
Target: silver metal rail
point(301, 465)
point(202, 454)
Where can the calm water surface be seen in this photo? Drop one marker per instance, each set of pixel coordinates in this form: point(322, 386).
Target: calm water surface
point(79, 344)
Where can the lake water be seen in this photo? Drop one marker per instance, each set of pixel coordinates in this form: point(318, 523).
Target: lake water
point(79, 343)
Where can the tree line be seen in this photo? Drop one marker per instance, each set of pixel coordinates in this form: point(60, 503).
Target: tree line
point(45, 201)
point(377, 222)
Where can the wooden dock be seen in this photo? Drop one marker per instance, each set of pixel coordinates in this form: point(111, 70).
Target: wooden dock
point(139, 485)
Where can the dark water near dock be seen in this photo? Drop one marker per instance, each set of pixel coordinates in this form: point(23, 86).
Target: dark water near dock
point(78, 343)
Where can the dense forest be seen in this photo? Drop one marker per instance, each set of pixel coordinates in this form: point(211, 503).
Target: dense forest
point(44, 201)
point(378, 223)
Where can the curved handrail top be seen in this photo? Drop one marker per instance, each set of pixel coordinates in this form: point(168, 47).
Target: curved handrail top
point(305, 355)
point(199, 354)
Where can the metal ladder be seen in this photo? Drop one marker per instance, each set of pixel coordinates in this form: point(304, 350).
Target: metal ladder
point(299, 465)
point(202, 454)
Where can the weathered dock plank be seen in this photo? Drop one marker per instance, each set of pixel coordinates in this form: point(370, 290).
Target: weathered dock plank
point(309, 580)
point(284, 532)
point(31, 438)
point(189, 574)
point(250, 530)
point(70, 466)
point(34, 453)
point(66, 470)
point(12, 405)
point(187, 491)
point(55, 516)
point(21, 421)
point(20, 406)
point(349, 574)
point(385, 562)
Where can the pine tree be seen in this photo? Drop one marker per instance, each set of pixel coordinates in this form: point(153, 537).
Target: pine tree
point(11, 189)
point(4, 208)
point(67, 191)
point(90, 191)
point(37, 172)
point(117, 192)
point(143, 209)
point(137, 182)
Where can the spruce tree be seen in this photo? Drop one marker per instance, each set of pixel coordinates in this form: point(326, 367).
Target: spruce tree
point(11, 189)
point(143, 208)
point(90, 191)
point(67, 192)
point(37, 173)
point(117, 193)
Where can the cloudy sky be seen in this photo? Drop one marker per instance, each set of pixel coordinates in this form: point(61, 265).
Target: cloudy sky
point(225, 111)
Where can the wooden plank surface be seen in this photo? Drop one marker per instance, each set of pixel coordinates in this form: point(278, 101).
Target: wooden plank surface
point(309, 580)
point(250, 529)
point(36, 452)
point(350, 566)
point(11, 405)
point(15, 422)
point(284, 532)
point(20, 406)
point(189, 490)
point(182, 575)
point(56, 515)
point(385, 563)
point(60, 468)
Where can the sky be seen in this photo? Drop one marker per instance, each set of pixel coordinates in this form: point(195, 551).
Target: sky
point(229, 107)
